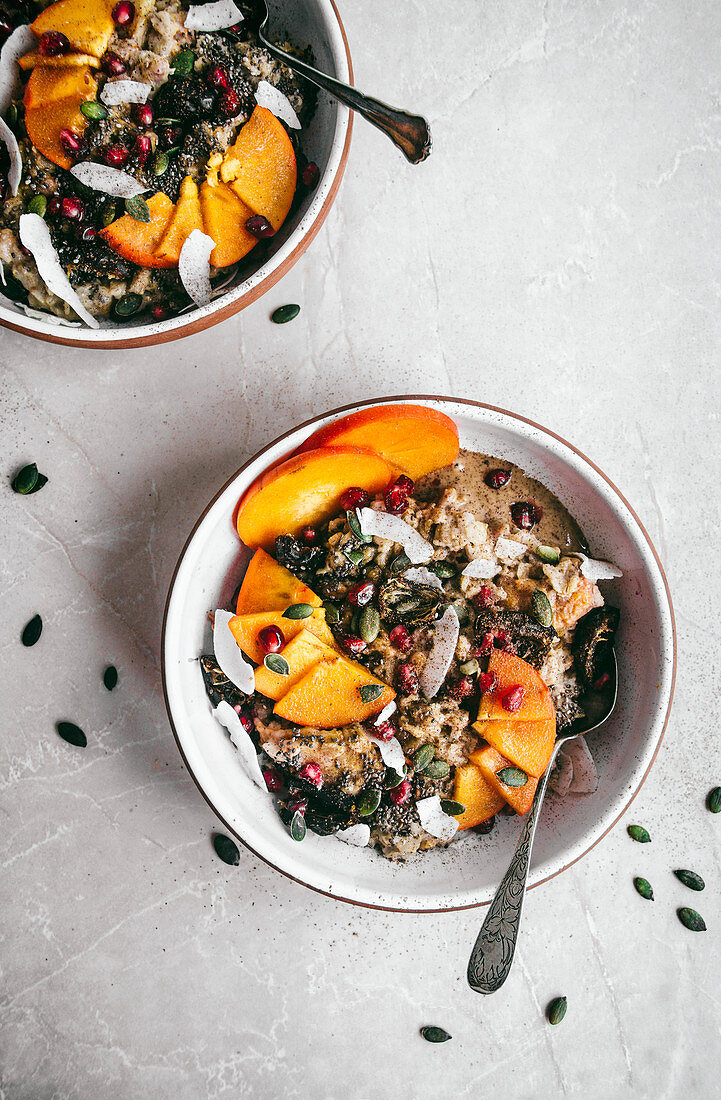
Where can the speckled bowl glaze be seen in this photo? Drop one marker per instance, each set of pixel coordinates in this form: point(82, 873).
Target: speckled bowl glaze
point(465, 874)
point(326, 140)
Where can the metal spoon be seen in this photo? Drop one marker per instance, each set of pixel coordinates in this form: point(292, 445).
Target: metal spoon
point(410, 133)
point(492, 955)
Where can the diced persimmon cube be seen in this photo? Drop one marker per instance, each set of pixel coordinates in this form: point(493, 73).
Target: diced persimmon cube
point(473, 791)
point(527, 744)
point(269, 586)
point(330, 695)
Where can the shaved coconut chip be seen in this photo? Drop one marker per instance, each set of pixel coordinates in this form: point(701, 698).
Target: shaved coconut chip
point(51, 319)
point(241, 739)
point(212, 17)
point(598, 570)
point(388, 709)
point(585, 776)
point(20, 42)
point(125, 91)
point(112, 181)
point(508, 550)
point(385, 526)
point(484, 569)
point(391, 752)
point(16, 161)
point(270, 97)
point(358, 835)
point(439, 659)
point(35, 236)
point(562, 774)
point(421, 575)
point(229, 655)
point(194, 266)
point(433, 819)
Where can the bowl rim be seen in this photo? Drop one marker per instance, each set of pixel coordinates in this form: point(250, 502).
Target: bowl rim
point(441, 398)
point(164, 332)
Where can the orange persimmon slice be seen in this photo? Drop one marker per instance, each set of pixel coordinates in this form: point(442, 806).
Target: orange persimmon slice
point(528, 745)
point(261, 168)
point(329, 695)
point(87, 24)
point(62, 61)
point(302, 652)
point(52, 103)
point(491, 763)
point(511, 671)
point(473, 791)
point(185, 218)
point(246, 628)
point(269, 586)
point(224, 218)
point(137, 241)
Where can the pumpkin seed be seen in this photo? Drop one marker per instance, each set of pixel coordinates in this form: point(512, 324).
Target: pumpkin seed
point(437, 769)
point(369, 623)
point(423, 757)
point(557, 1010)
point(435, 1035)
point(298, 611)
point(470, 668)
point(138, 208)
point(93, 109)
point(368, 803)
point(714, 800)
point(32, 631)
point(283, 314)
point(110, 677)
point(128, 305)
point(226, 849)
point(512, 777)
point(639, 834)
point(400, 564)
point(354, 556)
point(691, 919)
point(109, 214)
point(161, 162)
point(370, 692)
point(297, 826)
point(393, 779)
point(541, 608)
point(550, 554)
point(461, 609)
point(355, 527)
point(332, 611)
point(690, 879)
point(42, 480)
point(184, 62)
point(277, 664)
point(354, 621)
point(72, 734)
point(165, 121)
point(643, 887)
point(25, 480)
point(442, 569)
point(12, 115)
point(453, 809)
point(38, 205)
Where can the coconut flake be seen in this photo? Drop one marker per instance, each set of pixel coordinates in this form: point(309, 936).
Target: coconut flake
point(434, 820)
point(270, 97)
point(16, 161)
point(240, 737)
point(112, 181)
point(125, 91)
point(20, 42)
point(585, 775)
point(385, 526)
point(212, 17)
point(442, 650)
point(391, 752)
point(598, 570)
point(388, 709)
point(358, 835)
point(562, 774)
point(484, 569)
point(194, 266)
point(421, 575)
point(229, 655)
point(508, 550)
point(35, 236)
point(51, 318)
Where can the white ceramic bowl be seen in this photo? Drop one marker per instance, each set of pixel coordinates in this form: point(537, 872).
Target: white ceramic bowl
point(326, 140)
point(467, 873)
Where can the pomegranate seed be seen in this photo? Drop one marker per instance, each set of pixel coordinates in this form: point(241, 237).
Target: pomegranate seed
point(271, 639)
point(525, 514)
point(487, 681)
point(405, 485)
point(229, 103)
point(272, 780)
point(461, 689)
point(486, 644)
point(395, 500)
point(88, 234)
point(116, 156)
point(123, 13)
point(170, 136)
point(70, 142)
point(401, 639)
point(245, 720)
point(309, 535)
point(354, 497)
point(112, 65)
point(407, 679)
point(384, 732)
point(496, 479)
point(485, 598)
point(512, 699)
point(258, 226)
point(601, 682)
point(312, 774)
point(298, 806)
point(353, 645)
point(311, 175)
point(73, 209)
point(53, 44)
point(53, 206)
point(160, 313)
point(362, 593)
point(217, 77)
point(141, 149)
point(401, 793)
point(5, 28)
point(143, 114)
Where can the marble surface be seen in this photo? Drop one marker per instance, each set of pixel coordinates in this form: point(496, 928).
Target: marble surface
point(556, 256)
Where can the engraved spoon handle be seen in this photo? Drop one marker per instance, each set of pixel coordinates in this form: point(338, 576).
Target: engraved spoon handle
point(410, 133)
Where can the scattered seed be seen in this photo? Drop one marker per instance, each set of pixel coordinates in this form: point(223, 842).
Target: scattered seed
point(422, 758)
point(368, 803)
point(370, 692)
point(283, 314)
point(226, 849)
point(437, 769)
point(26, 480)
point(550, 554)
point(435, 1035)
point(297, 826)
point(332, 611)
point(138, 208)
point(184, 62)
point(643, 888)
point(355, 527)
point(369, 624)
point(32, 631)
point(714, 800)
point(557, 1010)
point(354, 556)
point(455, 809)
point(109, 213)
point(110, 677)
point(639, 834)
point(298, 611)
point(541, 608)
point(512, 777)
point(128, 305)
point(275, 663)
point(72, 734)
point(38, 205)
point(690, 879)
point(691, 919)
point(393, 779)
point(93, 109)
point(442, 569)
point(400, 564)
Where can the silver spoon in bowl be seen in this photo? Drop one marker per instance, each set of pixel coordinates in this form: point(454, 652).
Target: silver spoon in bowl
point(493, 951)
point(410, 133)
